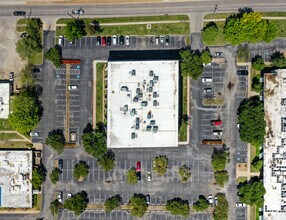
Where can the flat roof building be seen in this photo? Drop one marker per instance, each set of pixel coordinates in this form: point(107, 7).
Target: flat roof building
point(4, 99)
point(274, 166)
point(142, 104)
point(15, 176)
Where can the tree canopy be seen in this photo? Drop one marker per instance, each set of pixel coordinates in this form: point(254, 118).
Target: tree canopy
point(210, 33)
point(202, 204)
point(258, 63)
point(54, 55)
point(77, 202)
point(26, 112)
point(56, 140)
point(80, 170)
point(257, 163)
point(256, 84)
point(222, 208)
point(252, 192)
point(160, 165)
point(251, 120)
point(38, 176)
point(278, 59)
point(191, 63)
point(206, 56)
point(107, 161)
point(27, 77)
point(131, 176)
point(221, 177)
point(55, 175)
point(138, 205)
point(178, 206)
point(219, 160)
point(75, 29)
point(112, 203)
point(184, 173)
point(54, 207)
point(248, 26)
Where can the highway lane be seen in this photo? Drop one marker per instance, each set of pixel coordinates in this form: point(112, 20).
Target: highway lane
point(147, 8)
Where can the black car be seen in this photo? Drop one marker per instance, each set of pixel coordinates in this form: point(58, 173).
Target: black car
point(60, 164)
point(138, 173)
point(19, 13)
point(36, 70)
point(98, 40)
point(167, 40)
point(121, 40)
point(108, 41)
point(11, 76)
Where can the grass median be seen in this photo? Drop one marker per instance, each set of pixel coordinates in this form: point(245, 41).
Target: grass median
point(183, 130)
point(99, 91)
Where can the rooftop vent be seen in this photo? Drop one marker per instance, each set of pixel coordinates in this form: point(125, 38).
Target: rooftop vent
point(155, 103)
point(137, 126)
point(135, 99)
point(150, 89)
point(133, 135)
point(151, 83)
point(124, 88)
point(144, 103)
point(133, 73)
point(156, 78)
point(151, 73)
point(137, 120)
point(138, 90)
point(133, 112)
point(155, 95)
point(152, 122)
point(149, 115)
point(125, 108)
point(148, 128)
point(155, 128)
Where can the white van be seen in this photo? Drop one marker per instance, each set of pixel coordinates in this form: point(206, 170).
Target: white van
point(207, 79)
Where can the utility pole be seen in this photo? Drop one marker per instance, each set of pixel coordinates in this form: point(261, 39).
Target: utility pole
point(215, 10)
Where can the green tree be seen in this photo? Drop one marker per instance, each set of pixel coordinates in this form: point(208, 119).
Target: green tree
point(222, 208)
point(257, 163)
point(80, 170)
point(55, 175)
point(138, 205)
point(210, 33)
point(248, 26)
point(92, 27)
point(191, 63)
point(206, 56)
point(185, 173)
point(258, 63)
point(75, 29)
point(77, 203)
point(251, 120)
point(27, 77)
point(112, 203)
point(202, 204)
point(38, 176)
point(219, 160)
point(278, 59)
point(56, 140)
point(107, 161)
point(252, 193)
point(54, 55)
point(160, 165)
point(131, 176)
point(54, 207)
point(256, 84)
point(221, 177)
point(178, 206)
point(26, 112)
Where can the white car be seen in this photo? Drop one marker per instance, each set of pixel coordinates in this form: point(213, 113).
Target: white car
point(240, 204)
point(161, 39)
point(127, 42)
point(207, 64)
point(215, 201)
point(60, 196)
point(61, 41)
point(34, 134)
point(72, 87)
point(210, 199)
point(207, 79)
point(114, 40)
point(78, 12)
point(69, 195)
point(217, 132)
point(149, 176)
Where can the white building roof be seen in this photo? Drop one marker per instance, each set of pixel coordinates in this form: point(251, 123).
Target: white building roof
point(275, 146)
point(4, 99)
point(15, 176)
point(131, 86)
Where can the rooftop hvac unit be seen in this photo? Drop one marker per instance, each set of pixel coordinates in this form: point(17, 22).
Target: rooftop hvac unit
point(151, 73)
point(133, 72)
point(124, 88)
point(155, 128)
point(144, 103)
point(135, 99)
point(156, 78)
point(148, 128)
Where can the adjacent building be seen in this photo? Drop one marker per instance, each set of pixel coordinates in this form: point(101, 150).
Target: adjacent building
point(4, 98)
point(275, 145)
point(15, 176)
point(142, 104)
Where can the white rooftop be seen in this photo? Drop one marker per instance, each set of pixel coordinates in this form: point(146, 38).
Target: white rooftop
point(133, 85)
point(4, 99)
point(15, 175)
point(275, 146)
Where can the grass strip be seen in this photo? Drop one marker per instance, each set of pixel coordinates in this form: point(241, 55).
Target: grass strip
point(99, 91)
point(281, 25)
point(4, 125)
point(22, 21)
point(131, 19)
point(241, 179)
point(225, 15)
point(7, 136)
point(183, 130)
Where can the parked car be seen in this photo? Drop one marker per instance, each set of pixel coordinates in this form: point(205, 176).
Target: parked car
point(108, 41)
point(69, 195)
point(11, 76)
point(121, 40)
point(148, 199)
point(156, 40)
point(114, 40)
point(23, 35)
point(61, 164)
point(138, 173)
point(161, 39)
point(208, 90)
point(103, 41)
point(217, 132)
point(98, 40)
point(138, 166)
point(167, 42)
point(127, 40)
point(78, 12)
point(210, 199)
point(149, 176)
point(19, 13)
point(61, 40)
point(36, 70)
point(218, 54)
point(215, 201)
point(207, 79)
point(60, 196)
point(34, 134)
point(240, 204)
point(73, 87)
point(216, 122)
point(70, 43)
point(207, 64)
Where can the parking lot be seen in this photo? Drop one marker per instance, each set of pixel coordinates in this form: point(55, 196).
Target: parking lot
point(241, 213)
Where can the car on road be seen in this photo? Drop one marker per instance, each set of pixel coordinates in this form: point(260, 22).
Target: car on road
point(34, 134)
point(210, 199)
point(216, 122)
point(73, 87)
point(156, 40)
point(240, 204)
point(11, 76)
point(207, 79)
point(148, 199)
point(161, 39)
point(138, 166)
point(121, 40)
point(108, 41)
point(217, 132)
point(98, 40)
point(215, 201)
point(78, 12)
point(103, 41)
point(61, 162)
point(60, 196)
point(208, 90)
point(61, 41)
point(167, 42)
point(138, 174)
point(69, 195)
point(127, 40)
point(149, 176)
point(114, 40)
point(19, 13)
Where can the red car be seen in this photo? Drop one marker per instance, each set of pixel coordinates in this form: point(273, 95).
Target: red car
point(103, 41)
point(138, 166)
point(216, 122)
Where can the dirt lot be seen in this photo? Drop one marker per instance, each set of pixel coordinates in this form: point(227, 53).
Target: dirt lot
point(9, 59)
